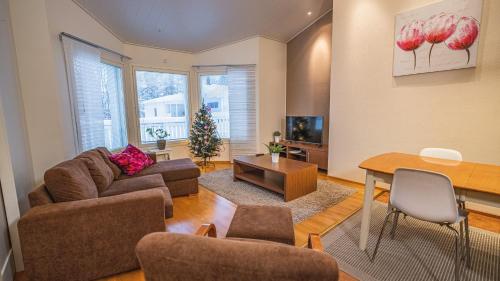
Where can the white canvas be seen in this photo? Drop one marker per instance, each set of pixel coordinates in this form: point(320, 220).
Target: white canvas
point(448, 30)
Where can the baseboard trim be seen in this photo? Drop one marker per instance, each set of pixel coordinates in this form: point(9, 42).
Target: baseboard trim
point(356, 182)
point(7, 273)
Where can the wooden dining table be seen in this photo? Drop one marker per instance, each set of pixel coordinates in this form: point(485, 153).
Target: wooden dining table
point(473, 182)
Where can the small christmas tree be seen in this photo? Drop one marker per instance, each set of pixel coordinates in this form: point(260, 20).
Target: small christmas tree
point(204, 142)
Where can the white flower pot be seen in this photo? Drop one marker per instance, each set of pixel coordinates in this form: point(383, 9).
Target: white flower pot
point(275, 157)
point(276, 139)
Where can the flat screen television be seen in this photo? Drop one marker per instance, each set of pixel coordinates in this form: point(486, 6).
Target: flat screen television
point(304, 129)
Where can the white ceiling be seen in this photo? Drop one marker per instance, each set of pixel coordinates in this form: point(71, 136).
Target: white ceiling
point(196, 25)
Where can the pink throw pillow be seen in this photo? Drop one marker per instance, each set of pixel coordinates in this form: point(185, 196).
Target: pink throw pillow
point(131, 160)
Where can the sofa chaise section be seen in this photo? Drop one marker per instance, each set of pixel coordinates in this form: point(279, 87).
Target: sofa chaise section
point(179, 175)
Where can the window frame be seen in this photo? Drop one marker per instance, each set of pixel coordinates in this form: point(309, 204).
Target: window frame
point(198, 86)
point(135, 104)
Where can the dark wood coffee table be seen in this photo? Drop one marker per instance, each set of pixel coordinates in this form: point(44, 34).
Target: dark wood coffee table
point(289, 177)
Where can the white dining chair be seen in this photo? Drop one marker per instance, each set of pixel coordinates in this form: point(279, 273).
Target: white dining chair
point(443, 153)
point(428, 196)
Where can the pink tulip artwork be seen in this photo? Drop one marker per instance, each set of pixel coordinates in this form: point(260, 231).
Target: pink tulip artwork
point(442, 36)
point(464, 36)
point(411, 37)
point(438, 28)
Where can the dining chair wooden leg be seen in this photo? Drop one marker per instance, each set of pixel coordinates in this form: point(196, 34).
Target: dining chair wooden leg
point(380, 235)
point(394, 224)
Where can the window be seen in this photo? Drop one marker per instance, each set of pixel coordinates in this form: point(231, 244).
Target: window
point(214, 93)
point(97, 98)
point(113, 101)
point(162, 101)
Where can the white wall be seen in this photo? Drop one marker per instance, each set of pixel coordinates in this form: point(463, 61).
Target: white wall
point(16, 171)
point(242, 52)
point(38, 82)
point(272, 89)
point(36, 26)
point(372, 112)
point(13, 111)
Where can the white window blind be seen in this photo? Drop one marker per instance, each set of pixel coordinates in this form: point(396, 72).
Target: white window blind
point(242, 110)
point(94, 98)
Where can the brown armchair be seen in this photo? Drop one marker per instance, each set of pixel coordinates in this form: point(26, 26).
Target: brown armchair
point(169, 256)
point(88, 239)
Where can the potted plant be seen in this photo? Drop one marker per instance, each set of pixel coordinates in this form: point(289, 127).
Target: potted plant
point(160, 135)
point(275, 149)
point(276, 136)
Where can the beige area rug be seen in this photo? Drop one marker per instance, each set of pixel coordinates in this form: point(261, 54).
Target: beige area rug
point(240, 192)
point(419, 251)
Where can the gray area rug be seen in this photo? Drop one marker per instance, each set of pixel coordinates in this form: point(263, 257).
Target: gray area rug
point(420, 251)
point(240, 192)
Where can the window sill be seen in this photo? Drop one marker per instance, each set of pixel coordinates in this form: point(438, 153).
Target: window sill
point(171, 143)
point(174, 143)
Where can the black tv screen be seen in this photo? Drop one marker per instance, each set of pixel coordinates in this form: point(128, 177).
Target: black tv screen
point(304, 128)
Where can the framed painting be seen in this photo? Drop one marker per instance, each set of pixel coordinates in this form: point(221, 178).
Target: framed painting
point(437, 37)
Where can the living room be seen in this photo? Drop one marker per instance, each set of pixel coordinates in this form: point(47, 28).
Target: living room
point(139, 117)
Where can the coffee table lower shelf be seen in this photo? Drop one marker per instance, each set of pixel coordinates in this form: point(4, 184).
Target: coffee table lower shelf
point(263, 179)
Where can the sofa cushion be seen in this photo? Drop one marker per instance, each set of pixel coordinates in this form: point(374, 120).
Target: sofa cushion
point(131, 160)
point(40, 196)
point(101, 173)
point(70, 181)
point(133, 184)
point(142, 183)
point(105, 153)
point(172, 170)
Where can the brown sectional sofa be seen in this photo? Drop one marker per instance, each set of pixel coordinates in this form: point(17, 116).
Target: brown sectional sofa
point(87, 217)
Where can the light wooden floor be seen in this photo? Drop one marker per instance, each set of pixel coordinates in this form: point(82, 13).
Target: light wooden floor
point(208, 207)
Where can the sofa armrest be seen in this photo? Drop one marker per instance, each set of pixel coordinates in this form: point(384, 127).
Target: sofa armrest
point(152, 155)
point(88, 239)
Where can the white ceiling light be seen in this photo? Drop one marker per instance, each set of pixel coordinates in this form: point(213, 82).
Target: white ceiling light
point(309, 13)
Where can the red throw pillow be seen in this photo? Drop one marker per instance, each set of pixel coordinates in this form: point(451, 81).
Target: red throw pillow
point(131, 160)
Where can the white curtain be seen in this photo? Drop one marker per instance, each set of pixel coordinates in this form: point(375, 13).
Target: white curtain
point(83, 66)
point(242, 110)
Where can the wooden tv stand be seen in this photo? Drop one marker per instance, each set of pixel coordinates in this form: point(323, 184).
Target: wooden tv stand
point(311, 153)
